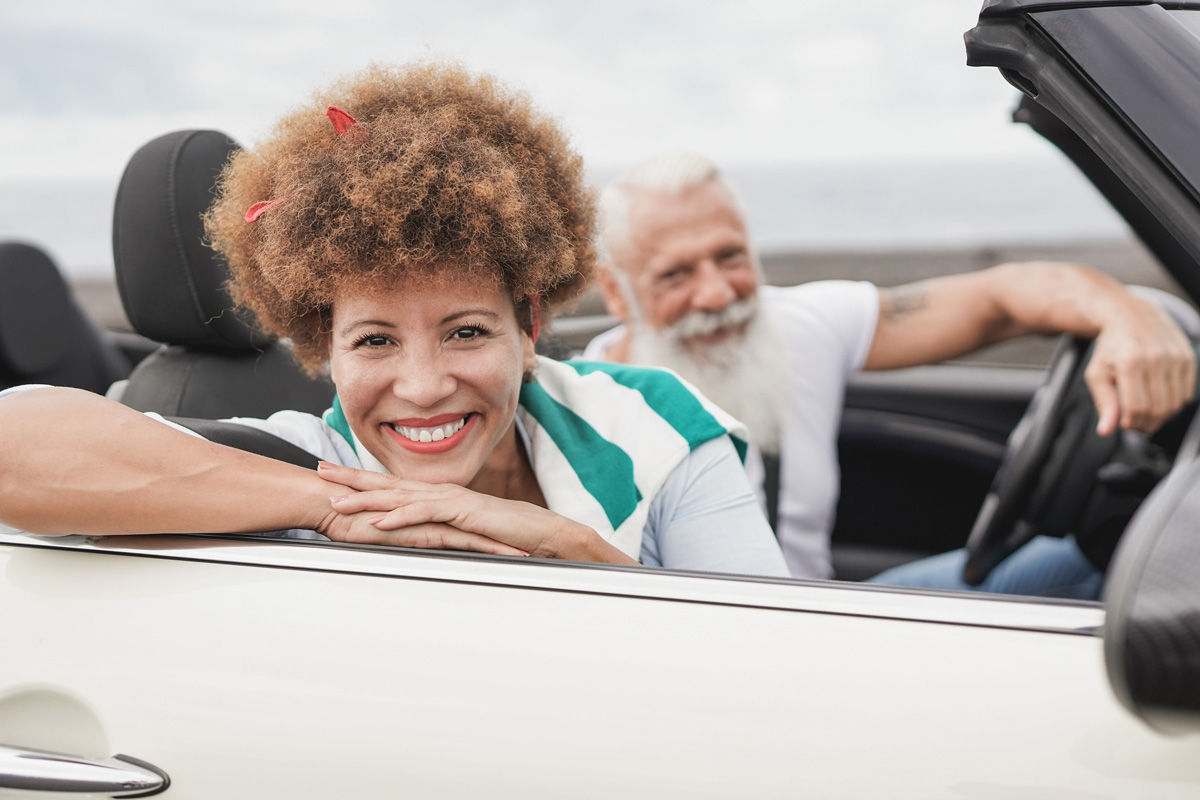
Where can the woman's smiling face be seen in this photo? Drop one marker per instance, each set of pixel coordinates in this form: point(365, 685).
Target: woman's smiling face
point(429, 375)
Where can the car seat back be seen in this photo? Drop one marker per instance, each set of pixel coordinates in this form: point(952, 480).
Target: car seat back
point(44, 336)
point(1152, 606)
point(214, 362)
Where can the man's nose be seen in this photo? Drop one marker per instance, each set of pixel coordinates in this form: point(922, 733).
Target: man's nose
point(713, 289)
point(423, 379)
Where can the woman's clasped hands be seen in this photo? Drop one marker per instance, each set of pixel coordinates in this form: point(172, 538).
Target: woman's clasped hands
point(385, 509)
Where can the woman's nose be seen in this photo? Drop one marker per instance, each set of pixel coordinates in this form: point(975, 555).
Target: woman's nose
point(423, 379)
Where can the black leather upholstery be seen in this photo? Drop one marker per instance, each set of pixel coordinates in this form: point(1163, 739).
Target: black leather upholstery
point(1152, 621)
point(213, 362)
point(44, 336)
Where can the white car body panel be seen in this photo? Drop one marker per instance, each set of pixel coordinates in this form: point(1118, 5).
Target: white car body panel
point(281, 670)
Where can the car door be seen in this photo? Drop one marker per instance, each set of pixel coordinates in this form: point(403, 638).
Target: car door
point(254, 668)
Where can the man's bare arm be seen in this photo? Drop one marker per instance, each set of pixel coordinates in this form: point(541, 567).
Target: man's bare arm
point(1144, 368)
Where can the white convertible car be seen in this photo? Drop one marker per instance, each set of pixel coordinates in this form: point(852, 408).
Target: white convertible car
point(244, 666)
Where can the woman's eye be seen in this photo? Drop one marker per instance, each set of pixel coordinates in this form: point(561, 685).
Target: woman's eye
point(466, 334)
point(373, 340)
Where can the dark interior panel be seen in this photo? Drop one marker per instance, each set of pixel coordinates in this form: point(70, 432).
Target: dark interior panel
point(918, 449)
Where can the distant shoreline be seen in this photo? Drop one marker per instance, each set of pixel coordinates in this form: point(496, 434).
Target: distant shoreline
point(1125, 259)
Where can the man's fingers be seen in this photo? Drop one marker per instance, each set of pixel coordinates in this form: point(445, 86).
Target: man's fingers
point(1140, 391)
point(1103, 387)
point(1191, 372)
point(1144, 388)
point(1183, 374)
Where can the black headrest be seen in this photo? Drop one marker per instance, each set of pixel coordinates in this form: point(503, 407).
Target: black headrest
point(171, 283)
point(34, 300)
point(44, 336)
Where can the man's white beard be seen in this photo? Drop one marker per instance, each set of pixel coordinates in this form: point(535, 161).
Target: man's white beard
point(746, 374)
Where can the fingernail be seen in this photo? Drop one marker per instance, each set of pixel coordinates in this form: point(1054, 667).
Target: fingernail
point(377, 520)
point(337, 498)
point(325, 465)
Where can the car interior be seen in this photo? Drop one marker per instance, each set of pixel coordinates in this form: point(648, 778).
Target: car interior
point(921, 451)
point(212, 362)
point(44, 336)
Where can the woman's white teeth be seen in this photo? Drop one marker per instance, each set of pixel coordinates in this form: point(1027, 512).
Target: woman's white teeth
point(434, 434)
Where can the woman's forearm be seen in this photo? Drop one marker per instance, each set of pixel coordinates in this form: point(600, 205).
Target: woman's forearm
point(75, 462)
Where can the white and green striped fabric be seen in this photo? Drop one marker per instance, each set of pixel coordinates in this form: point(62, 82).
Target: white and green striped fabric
point(603, 439)
point(606, 436)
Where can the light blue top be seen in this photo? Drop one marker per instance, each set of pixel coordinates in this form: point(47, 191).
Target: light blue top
point(706, 517)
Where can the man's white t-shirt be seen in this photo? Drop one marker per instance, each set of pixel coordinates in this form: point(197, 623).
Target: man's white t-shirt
point(827, 328)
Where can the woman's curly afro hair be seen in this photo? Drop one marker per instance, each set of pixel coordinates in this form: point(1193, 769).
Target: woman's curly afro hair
point(445, 174)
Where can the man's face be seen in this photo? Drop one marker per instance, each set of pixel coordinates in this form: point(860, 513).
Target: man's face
point(688, 253)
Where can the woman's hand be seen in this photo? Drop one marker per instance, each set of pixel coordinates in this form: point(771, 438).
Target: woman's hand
point(388, 510)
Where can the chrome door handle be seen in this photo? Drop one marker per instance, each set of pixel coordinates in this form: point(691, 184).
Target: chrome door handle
point(43, 771)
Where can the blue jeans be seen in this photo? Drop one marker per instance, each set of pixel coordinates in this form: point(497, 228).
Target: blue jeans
point(1046, 567)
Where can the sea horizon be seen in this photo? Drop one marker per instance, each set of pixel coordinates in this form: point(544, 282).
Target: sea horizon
point(789, 207)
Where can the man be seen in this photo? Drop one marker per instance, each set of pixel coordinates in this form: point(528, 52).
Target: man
point(681, 275)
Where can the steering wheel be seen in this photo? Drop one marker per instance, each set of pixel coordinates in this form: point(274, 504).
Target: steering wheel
point(1006, 518)
point(1054, 457)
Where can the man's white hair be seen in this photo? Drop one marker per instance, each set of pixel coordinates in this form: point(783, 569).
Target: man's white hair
point(670, 173)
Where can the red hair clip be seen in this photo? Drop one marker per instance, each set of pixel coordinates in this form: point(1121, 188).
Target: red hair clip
point(346, 125)
point(255, 211)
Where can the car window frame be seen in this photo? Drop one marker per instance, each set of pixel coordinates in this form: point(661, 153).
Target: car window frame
point(1072, 617)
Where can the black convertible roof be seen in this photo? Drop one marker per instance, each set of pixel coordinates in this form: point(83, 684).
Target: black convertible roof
point(999, 8)
point(1114, 86)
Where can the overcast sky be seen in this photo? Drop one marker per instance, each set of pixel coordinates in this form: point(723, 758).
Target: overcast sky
point(85, 83)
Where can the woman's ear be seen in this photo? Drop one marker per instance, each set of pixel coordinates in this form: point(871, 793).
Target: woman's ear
point(528, 353)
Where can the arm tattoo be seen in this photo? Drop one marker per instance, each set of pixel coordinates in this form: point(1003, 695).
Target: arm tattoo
point(902, 301)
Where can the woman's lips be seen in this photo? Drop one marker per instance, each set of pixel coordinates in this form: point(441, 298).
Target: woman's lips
point(433, 435)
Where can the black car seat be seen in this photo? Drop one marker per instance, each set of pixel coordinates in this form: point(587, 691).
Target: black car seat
point(213, 362)
point(44, 335)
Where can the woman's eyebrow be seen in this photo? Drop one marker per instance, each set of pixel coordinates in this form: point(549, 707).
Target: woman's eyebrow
point(487, 312)
point(368, 323)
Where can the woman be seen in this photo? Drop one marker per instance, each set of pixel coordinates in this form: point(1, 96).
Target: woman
point(408, 231)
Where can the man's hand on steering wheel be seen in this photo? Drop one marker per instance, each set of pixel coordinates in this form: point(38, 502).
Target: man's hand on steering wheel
point(1142, 370)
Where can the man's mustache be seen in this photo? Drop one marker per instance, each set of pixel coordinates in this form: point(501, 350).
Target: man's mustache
point(706, 323)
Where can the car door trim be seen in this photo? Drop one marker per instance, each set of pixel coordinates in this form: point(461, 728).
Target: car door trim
point(781, 594)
